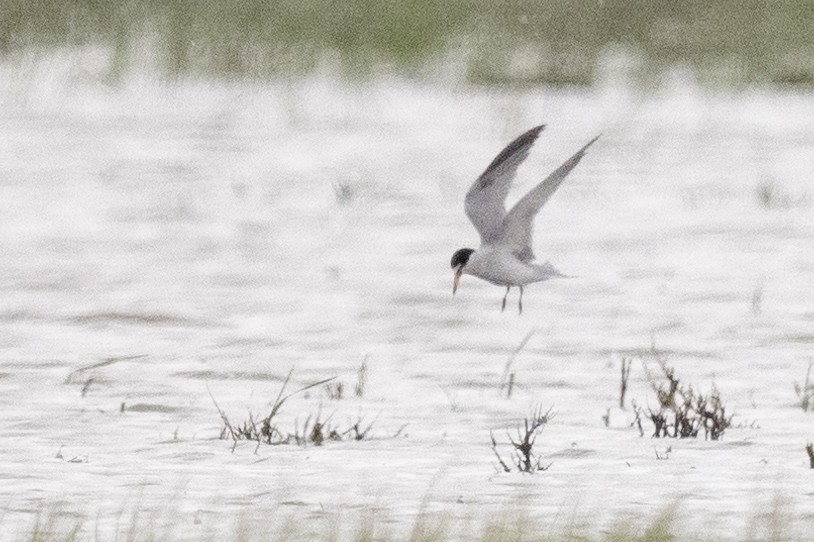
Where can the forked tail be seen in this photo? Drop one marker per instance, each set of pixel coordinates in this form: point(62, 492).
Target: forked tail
point(548, 271)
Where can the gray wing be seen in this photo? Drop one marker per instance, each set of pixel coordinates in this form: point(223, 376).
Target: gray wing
point(518, 225)
point(485, 201)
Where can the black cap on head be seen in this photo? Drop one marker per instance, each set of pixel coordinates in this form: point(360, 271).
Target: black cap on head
point(460, 257)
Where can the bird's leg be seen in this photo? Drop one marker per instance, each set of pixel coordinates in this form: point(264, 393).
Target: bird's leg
point(503, 306)
point(520, 301)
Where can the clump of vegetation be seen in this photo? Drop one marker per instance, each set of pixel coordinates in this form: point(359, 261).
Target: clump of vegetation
point(523, 457)
point(805, 392)
point(810, 452)
point(344, 192)
point(335, 390)
point(683, 412)
point(771, 197)
point(665, 455)
point(314, 430)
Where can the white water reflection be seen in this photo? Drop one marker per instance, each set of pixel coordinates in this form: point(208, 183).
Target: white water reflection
point(226, 233)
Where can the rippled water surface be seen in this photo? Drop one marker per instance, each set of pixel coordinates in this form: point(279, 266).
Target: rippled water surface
point(161, 241)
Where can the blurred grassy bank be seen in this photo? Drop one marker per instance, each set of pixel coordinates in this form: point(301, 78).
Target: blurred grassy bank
point(520, 42)
point(772, 525)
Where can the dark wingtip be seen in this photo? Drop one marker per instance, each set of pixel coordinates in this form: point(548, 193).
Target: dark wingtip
point(588, 144)
point(526, 138)
point(534, 132)
point(522, 142)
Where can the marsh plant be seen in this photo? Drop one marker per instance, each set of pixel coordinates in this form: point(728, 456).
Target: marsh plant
point(682, 411)
point(507, 379)
point(625, 376)
point(805, 391)
point(770, 196)
point(315, 429)
point(335, 390)
point(361, 380)
point(663, 455)
point(523, 458)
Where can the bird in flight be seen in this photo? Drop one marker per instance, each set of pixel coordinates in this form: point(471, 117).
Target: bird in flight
point(505, 256)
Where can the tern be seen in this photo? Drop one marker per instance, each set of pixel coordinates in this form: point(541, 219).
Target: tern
point(505, 257)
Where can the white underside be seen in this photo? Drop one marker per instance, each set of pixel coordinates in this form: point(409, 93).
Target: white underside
point(501, 267)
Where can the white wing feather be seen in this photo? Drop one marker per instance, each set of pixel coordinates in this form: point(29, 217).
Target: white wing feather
point(518, 225)
point(485, 201)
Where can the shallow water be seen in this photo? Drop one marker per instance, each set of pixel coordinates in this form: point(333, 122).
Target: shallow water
point(207, 237)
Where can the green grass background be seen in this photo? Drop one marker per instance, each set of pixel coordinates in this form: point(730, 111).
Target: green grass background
point(726, 42)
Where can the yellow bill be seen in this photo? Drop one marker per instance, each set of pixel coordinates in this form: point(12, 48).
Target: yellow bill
point(456, 280)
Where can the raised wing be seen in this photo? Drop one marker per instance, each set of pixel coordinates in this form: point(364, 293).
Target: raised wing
point(485, 201)
point(518, 225)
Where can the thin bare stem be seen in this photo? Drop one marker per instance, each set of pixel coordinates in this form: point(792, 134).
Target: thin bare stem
point(513, 355)
point(626, 363)
point(223, 417)
point(104, 363)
